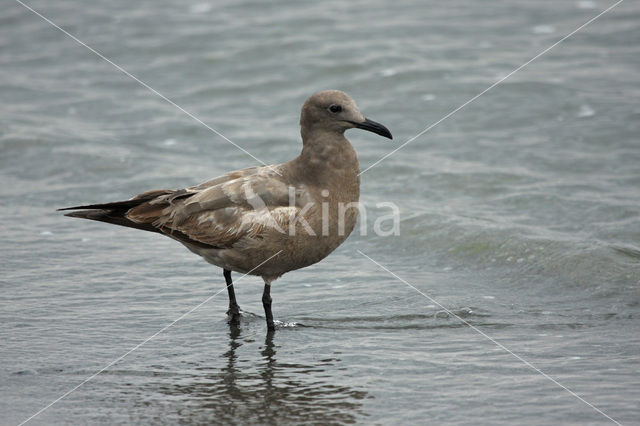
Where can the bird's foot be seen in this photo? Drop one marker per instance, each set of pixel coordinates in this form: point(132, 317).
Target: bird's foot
point(271, 327)
point(234, 313)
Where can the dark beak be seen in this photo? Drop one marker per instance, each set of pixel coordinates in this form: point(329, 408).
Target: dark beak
point(374, 127)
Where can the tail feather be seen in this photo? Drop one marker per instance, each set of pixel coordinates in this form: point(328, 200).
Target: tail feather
point(115, 213)
point(118, 205)
point(111, 216)
point(126, 204)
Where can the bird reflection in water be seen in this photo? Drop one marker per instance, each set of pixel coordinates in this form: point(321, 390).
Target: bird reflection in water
point(264, 390)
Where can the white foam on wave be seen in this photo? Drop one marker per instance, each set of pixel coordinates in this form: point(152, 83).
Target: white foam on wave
point(388, 72)
point(200, 8)
point(586, 4)
point(586, 111)
point(285, 324)
point(544, 29)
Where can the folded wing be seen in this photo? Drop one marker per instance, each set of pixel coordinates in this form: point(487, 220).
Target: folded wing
point(220, 213)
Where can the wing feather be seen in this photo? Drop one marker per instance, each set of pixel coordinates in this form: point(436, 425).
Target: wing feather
point(222, 211)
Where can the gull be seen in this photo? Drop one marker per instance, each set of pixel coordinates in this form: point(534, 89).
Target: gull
point(265, 220)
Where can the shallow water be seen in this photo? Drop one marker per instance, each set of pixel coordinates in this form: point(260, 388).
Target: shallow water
point(520, 214)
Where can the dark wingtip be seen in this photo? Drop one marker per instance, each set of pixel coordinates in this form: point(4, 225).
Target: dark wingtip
point(127, 204)
point(75, 208)
point(86, 214)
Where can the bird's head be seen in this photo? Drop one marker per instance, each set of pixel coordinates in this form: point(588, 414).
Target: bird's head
point(334, 111)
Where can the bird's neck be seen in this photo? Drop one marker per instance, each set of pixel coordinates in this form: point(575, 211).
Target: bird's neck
point(328, 159)
point(329, 151)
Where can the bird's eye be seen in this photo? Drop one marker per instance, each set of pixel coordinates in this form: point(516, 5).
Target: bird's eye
point(335, 109)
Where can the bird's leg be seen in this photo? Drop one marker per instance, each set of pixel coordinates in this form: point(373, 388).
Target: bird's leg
point(234, 309)
point(266, 303)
